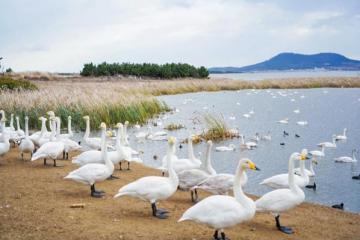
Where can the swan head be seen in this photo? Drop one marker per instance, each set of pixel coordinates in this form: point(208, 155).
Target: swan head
point(3, 119)
point(103, 125)
point(304, 155)
point(171, 140)
point(119, 125)
point(42, 119)
point(86, 117)
point(51, 113)
point(210, 143)
point(126, 123)
point(17, 118)
point(69, 117)
point(26, 118)
point(248, 164)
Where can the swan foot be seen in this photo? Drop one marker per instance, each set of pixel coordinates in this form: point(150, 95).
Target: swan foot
point(55, 165)
point(311, 186)
point(159, 213)
point(216, 236)
point(120, 169)
point(112, 177)
point(194, 199)
point(97, 194)
point(284, 229)
point(128, 166)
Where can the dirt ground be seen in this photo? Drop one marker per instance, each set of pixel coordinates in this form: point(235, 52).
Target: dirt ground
point(35, 203)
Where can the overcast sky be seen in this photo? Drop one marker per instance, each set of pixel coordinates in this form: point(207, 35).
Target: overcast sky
point(62, 35)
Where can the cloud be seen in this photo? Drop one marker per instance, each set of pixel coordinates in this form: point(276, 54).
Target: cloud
point(62, 35)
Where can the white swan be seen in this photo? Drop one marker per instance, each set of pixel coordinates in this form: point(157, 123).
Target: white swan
point(26, 145)
point(192, 177)
point(92, 142)
point(318, 153)
point(69, 145)
point(296, 111)
point(302, 123)
point(266, 137)
point(329, 144)
point(125, 153)
point(247, 145)
point(52, 149)
point(231, 147)
point(156, 136)
point(281, 200)
point(282, 180)
point(346, 159)
point(283, 121)
point(221, 212)
point(180, 164)
point(95, 172)
point(19, 131)
point(310, 172)
point(35, 137)
point(343, 136)
point(124, 138)
point(70, 133)
point(154, 188)
point(4, 141)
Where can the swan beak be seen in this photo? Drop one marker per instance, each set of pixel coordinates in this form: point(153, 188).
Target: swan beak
point(172, 140)
point(252, 166)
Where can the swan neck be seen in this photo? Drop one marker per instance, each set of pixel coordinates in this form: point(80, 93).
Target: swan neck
point(190, 150)
point(69, 126)
point(172, 174)
point(12, 121)
point(312, 167)
point(239, 195)
point(104, 153)
point(293, 187)
point(208, 166)
point(26, 127)
point(43, 127)
point(17, 124)
point(53, 133)
point(87, 130)
point(58, 126)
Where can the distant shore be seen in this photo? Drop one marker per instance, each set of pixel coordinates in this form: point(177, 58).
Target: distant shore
point(35, 204)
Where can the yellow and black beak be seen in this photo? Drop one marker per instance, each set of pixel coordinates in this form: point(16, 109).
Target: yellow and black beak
point(252, 166)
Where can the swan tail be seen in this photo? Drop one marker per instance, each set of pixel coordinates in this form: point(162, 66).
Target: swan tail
point(183, 218)
point(120, 194)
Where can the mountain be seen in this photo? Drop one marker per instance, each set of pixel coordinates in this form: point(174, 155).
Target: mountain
point(295, 61)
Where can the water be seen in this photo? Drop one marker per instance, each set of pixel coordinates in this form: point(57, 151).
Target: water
point(327, 111)
point(286, 74)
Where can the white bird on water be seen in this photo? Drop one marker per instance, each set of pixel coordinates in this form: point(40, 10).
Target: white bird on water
point(343, 136)
point(346, 159)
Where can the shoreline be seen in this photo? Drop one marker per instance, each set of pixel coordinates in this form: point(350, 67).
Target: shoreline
point(35, 204)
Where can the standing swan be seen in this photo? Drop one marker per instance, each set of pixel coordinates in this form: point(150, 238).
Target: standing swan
point(220, 212)
point(26, 145)
point(95, 172)
point(51, 149)
point(4, 141)
point(154, 188)
point(281, 200)
point(191, 177)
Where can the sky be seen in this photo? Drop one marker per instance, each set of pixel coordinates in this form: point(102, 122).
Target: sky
point(62, 35)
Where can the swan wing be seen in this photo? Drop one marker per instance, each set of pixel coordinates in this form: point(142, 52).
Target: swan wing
point(190, 178)
point(279, 200)
point(216, 211)
point(90, 173)
point(91, 156)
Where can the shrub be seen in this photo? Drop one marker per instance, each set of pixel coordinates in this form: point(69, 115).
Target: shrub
point(7, 83)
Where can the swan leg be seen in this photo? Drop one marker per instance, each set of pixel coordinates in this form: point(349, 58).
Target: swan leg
point(95, 193)
point(63, 155)
point(128, 166)
point(22, 156)
point(112, 177)
point(194, 196)
point(216, 235)
point(284, 229)
point(223, 237)
point(44, 161)
point(120, 166)
point(158, 213)
point(67, 156)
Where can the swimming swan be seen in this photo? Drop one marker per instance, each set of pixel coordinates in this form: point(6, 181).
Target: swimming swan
point(346, 159)
point(329, 144)
point(95, 172)
point(281, 200)
point(221, 212)
point(343, 136)
point(154, 188)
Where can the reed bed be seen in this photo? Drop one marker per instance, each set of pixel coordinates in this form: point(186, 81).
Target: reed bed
point(217, 129)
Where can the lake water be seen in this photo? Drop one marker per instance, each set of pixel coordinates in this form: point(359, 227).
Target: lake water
point(286, 74)
point(327, 111)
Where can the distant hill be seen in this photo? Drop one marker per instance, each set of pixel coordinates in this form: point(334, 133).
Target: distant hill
point(295, 61)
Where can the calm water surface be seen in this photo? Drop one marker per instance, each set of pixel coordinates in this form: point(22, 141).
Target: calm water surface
point(286, 74)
